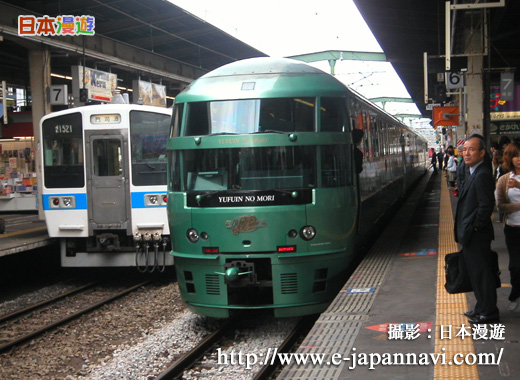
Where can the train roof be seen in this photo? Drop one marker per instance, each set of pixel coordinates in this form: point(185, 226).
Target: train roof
point(109, 107)
point(262, 78)
point(267, 77)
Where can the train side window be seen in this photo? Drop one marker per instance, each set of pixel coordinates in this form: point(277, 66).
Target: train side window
point(174, 174)
point(332, 115)
point(178, 113)
point(197, 123)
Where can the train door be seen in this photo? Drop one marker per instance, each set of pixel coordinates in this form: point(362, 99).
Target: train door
point(108, 192)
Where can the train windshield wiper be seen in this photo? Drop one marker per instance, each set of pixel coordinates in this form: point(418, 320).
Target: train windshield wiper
point(269, 131)
point(206, 195)
point(223, 133)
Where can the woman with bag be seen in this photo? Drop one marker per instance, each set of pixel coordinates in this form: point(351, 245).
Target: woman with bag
point(508, 202)
point(451, 169)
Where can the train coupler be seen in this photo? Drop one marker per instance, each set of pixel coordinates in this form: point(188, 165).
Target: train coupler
point(143, 243)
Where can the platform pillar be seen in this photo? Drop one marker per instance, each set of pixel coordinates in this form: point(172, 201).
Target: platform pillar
point(474, 82)
point(40, 74)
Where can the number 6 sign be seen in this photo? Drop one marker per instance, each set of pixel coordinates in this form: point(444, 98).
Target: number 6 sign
point(454, 80)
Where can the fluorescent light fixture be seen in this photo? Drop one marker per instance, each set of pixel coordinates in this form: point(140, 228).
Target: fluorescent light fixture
point(61, 76)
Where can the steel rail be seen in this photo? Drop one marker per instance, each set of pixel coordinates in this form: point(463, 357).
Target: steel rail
point(71, 317)
point(302, 327)
point(189, 358)
point(35, 306)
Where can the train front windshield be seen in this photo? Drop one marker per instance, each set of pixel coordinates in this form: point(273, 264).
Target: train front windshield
point(261, 168)
point(250, 116)
point(149, 132)
point(62, 138)
point(249, 168)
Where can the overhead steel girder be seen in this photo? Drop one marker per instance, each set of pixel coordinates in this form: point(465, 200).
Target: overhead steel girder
point(341, 55)
point(114, 52)
point(391, 99)
point(333, 55)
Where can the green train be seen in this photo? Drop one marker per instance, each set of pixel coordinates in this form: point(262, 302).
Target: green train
point(265, 204)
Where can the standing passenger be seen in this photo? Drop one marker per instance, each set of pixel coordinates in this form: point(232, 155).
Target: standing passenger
point(440, 158)
point(474, 231)
point(357, 137)
point(503, 143)
point(451, 169)
point(508, 201)
point(434, 161)
point(495, 158)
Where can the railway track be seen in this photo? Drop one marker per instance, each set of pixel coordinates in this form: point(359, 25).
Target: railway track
point(24, 325)
point(222, 337)
point(37, 305)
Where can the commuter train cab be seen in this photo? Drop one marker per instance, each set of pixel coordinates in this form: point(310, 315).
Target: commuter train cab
point(104, 185)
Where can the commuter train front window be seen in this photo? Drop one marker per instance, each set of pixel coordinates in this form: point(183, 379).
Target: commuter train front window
point(107, 158)
point(62, 140)
point(149, 133)
point(251, 116)
point(291, 167)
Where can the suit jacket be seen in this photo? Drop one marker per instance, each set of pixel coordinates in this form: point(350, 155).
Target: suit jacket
point(475, 206)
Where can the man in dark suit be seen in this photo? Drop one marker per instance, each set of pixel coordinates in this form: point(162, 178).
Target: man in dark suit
point(474, 230)
point(440, 159)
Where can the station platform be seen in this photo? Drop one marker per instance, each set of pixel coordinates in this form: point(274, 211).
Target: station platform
point(23, 232)
point(393, 319)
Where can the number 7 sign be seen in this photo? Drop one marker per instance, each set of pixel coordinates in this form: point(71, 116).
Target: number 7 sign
point(507, 85)
point(58, 94)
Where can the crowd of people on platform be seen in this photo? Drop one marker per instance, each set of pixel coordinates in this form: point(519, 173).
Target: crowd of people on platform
point(482, 180)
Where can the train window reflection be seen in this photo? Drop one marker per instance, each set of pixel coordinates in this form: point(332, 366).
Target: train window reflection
point(334, 166)
point(250, 116)
point(333, 115)
point(250, 168)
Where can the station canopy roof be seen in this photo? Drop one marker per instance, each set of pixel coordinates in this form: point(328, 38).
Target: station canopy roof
point(406, 28)
point(155, 26)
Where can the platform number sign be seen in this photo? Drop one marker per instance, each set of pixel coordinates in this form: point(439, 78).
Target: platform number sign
point(454, 80)
point(58, 94)
point(507, 81)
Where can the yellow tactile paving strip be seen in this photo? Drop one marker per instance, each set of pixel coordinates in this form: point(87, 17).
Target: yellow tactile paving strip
point(450, 307)
point(10, 234)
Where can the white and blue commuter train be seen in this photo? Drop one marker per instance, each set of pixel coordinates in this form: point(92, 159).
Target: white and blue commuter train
point(104, 185)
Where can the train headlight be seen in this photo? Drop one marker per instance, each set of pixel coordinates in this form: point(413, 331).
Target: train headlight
point(67, 201)
point(308, 232)
point(193, 235)
point(155, 200)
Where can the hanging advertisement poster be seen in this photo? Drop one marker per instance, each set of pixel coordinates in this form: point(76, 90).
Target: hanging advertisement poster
point(150, 93)
point(100, 85)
